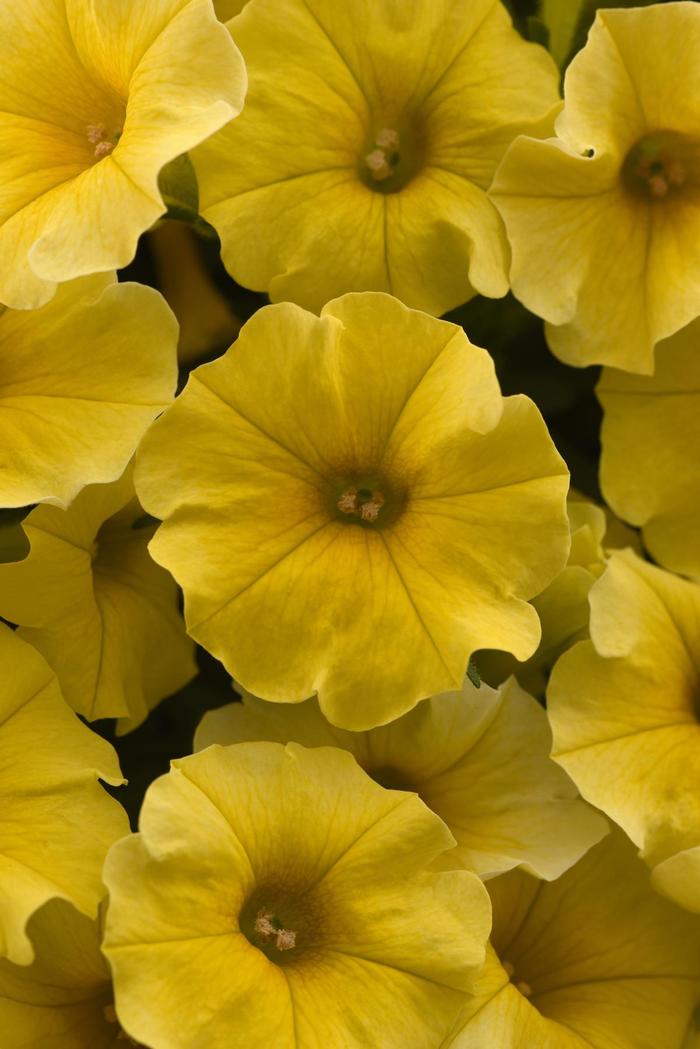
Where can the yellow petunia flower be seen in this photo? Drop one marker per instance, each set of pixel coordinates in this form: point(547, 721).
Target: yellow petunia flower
point(603, 220)
point(56, 821)
point(103, 614)
point(650, 467)
point(370, 135)
point(140, 83)
point(82, 378)
point(624, 710)
point(64, 999)
point(563, 606)
point(595, 960)
point(359, 482)
point(276, 896)
point(479, 758)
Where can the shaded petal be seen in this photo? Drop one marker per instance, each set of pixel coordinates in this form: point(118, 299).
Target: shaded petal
point(83, 377)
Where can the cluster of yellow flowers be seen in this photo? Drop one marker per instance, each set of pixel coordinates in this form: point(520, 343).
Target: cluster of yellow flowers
point(457, 802)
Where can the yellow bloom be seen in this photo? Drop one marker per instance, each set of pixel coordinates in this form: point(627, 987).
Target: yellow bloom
point(478, 758)
point(82, 378)
point(276, 896)
point(103, 614)
point(563, 606)
point(650, 468)
point(370, 135)
point(140, 83)
point(603, 220)
point(64, 999)
point(624, 713)
point(359, 482)
point(595, 960)
point(56, 821)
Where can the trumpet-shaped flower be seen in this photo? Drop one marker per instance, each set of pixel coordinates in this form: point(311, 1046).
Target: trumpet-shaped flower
point(595, 960)
point(82, 378)
point(359, 482)
point(103, 614)
point(624, 709)
point(604, 219)
point(370, 135)
point(56, 821)
point(650, 467)
point(276, 896)
point(479, 758)
point(64, 999)
point(140, 83)
point(563, 606)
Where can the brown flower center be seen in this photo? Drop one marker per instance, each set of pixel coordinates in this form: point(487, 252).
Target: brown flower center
point(392, 155)
point(270, 930)
point(363, 503)
point(659, 165)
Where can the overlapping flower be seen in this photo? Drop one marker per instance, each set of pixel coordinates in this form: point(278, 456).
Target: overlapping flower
point(454, 800)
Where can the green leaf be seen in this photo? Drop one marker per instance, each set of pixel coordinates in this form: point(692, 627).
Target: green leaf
point(562, 19)
point(474, 675)
point(177, 183)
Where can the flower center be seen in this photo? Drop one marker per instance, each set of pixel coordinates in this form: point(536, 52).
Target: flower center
point(524, 988)
point(383, 158)
point(282, 921)
point(103, 141)
point(391, 157)
point(658, 165)
point(270, 930)
point(363, 503)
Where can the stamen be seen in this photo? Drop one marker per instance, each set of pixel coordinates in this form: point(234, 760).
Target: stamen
point(95, 133)
point(382, 160)
point(269, 929)
point(103, 142)
point(369, 511)
point(655, 165)
point(348, 501)
point(524, 989)
point(363, 504)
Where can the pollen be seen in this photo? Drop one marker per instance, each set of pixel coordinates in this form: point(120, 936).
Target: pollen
point(363, 503)
point(656, 165)
point(103, 142)
point(381, 161)
point(522, 986)
point(271, 931)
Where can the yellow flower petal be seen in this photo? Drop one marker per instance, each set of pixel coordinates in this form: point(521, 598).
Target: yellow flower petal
point(595, 960)
point(386, 143)
point(82, 378)
point(624, 707)
point(650, 467)
point(102, 613)
point(139, 86)
point(563, 606)
point(478, 758)
point(604, 220)
point(272, 440)
point(63, 998)
point(56, 821)
point(235, 916)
